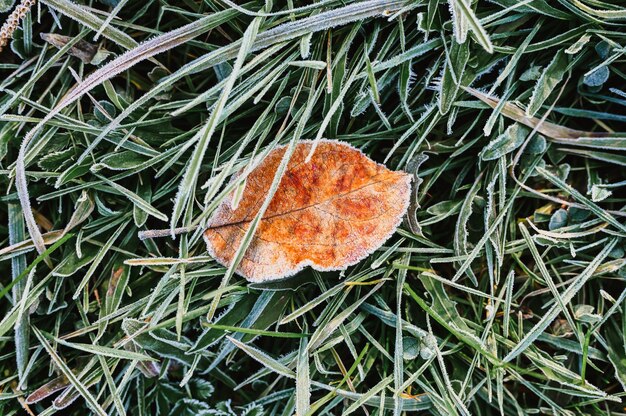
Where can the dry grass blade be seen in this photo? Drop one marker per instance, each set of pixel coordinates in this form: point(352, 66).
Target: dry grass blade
point(550, 130)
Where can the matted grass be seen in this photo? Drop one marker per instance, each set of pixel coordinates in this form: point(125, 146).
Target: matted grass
point(502, 293)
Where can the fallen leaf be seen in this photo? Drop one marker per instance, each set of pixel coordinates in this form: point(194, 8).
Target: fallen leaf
point(328, 213)
point(48, 389)
point(83, 50)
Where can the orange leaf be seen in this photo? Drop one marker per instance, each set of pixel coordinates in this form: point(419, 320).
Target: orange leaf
point(328, 213)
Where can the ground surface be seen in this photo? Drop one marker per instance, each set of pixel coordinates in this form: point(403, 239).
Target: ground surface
point(502, 292)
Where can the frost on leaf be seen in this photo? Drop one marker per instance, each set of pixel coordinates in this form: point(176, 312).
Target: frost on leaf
point(328, 213)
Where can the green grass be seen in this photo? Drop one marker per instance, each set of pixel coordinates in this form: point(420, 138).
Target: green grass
point(503, 291)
